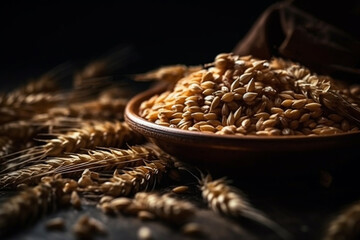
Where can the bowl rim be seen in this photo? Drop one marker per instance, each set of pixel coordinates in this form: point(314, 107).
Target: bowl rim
point(153, 130)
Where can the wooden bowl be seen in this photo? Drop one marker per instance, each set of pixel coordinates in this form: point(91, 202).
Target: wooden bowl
point(257, 155)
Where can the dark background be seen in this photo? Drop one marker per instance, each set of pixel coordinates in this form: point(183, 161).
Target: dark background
point(38, 35)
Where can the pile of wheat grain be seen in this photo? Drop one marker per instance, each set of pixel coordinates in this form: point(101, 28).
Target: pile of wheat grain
point(247, 96)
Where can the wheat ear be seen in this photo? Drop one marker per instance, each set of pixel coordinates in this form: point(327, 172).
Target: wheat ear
point(74, 164)
point(137, 179)
point(229, 201)
point(25, 107)
point(345, 225)
point(5, 146)
point(170, 73)
point(31, 204)
point(96, 109)
point(93, 134)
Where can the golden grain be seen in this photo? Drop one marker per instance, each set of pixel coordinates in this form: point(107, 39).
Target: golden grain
point(144, 233)
point(250, 96)
point(166, 207)
point(145, 215)
point(55, 224)
point(180, 189)
point(248, 88)
point(192, 229)
point(119, 204)
point(85, 227)
point(75, 200)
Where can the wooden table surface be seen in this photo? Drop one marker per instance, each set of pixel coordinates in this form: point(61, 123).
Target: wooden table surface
point(303, 204)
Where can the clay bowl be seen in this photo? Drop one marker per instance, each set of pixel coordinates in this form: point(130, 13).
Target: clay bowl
point(255, 155)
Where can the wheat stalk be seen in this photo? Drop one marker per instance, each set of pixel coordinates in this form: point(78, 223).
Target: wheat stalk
point(6, 145)
point(31, 204)
point(96, 109)
point(30, 175)
point(137, 179)
point(36, 102)
point(229, 201)
point(92, 134)
point(42, 85)
point(26, 106)
point(24, 130)
point(345, 225)
point(46, 83)
point(74, 164)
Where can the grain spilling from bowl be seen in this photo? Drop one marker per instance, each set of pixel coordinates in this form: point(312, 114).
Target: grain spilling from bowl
point(241, 95)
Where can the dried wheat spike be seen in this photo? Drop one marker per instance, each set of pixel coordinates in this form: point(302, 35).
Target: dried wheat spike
point(6, 145)
point(166, 207)
point(31, 204)
point(229, 201)
point(345, 225)
point(91, 135)
point(170, 73)
point(96, 109)
point(105, 65)
point(19, 130)
point(107, 159)
point(42, 85)
point(36, 102)
point(137, 179)
point(22, 134)
point(30, 175)
point(24, 130)
point(25, 107)
point(74, 164)
point(46, 83)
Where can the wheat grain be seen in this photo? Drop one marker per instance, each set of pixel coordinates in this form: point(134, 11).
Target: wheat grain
point(144, 233)
point(55, 224)
point(85, 227)
point(166, 207)
point(75, 200)
point(145, 215)
point(192, 229)
point(180, 189)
